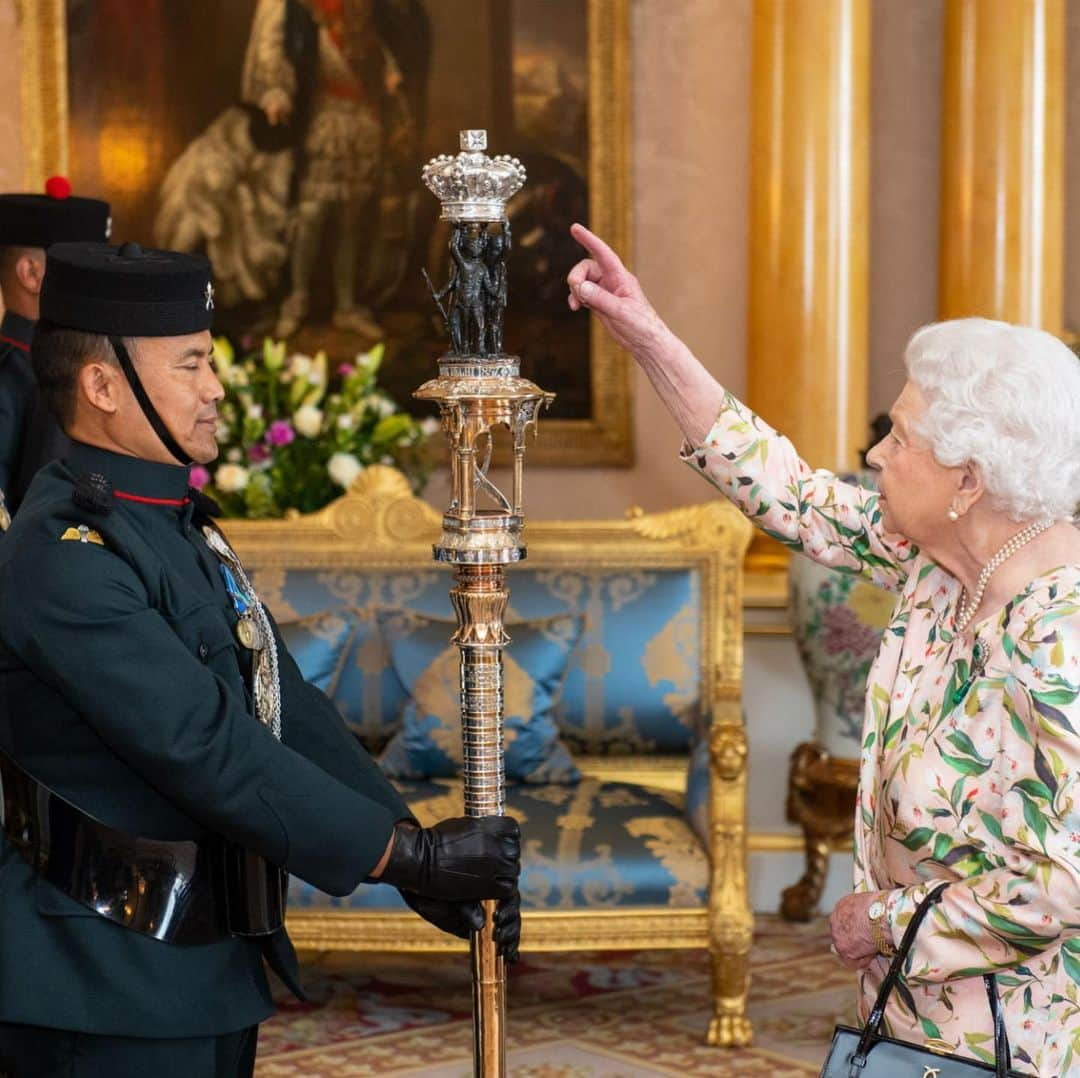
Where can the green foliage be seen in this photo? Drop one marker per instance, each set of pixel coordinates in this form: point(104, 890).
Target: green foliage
point(293, 433)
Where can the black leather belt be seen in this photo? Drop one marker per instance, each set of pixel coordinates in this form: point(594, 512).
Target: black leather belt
point(182, 892)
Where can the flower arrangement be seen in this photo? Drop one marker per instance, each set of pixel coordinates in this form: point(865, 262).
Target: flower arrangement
point(294, 435)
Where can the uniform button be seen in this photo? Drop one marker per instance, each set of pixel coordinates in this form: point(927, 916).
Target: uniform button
point(204, 652)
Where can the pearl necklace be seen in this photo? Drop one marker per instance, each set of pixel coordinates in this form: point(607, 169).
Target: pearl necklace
point(965, 610)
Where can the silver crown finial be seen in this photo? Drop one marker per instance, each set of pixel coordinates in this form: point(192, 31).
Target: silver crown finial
point(473, 186)
point(474, 141)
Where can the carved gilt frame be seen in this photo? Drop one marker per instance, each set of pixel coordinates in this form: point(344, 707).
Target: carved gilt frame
point(603, 440)
point(378, 525)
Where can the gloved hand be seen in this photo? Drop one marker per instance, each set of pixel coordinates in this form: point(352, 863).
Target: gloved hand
point(461, 858)
point(463, 918)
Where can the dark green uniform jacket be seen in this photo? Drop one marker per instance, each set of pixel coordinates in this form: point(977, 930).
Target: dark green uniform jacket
point(18, 395)
point(123, 689)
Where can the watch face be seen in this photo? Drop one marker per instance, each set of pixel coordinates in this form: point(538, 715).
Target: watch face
point(876, 910)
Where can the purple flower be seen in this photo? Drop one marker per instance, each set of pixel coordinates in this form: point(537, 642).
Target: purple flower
point(345, 370)
point(198, 477)
point(258, 453)
point(280, 432)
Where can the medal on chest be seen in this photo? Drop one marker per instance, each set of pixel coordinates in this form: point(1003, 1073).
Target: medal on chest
point(252, 630)
point(247, 628)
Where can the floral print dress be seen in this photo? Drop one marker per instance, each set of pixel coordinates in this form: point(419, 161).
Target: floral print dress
point(970, 776)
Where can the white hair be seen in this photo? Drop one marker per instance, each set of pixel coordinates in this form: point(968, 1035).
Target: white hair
point(1007, 399)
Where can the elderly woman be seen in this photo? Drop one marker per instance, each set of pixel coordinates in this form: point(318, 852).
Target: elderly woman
point(970, 768)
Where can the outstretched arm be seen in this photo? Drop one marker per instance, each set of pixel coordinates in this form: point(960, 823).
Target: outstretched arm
point(455, 248)
point(604, 285)
point(836, 523)
point(444, 292)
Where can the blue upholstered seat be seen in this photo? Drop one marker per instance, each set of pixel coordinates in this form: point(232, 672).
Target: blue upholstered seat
point(633, 686)
point(596, 844)
point(634, 680)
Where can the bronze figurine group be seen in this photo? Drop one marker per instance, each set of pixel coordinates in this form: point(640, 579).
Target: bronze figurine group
point(476, 292)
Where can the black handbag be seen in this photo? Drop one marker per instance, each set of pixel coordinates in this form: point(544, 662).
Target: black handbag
point(867, 1054)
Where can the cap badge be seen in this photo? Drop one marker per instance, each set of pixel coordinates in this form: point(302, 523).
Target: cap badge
point(209, 296)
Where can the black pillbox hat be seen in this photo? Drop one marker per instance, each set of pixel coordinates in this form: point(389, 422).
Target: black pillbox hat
point(127, 291)
point(56, 217)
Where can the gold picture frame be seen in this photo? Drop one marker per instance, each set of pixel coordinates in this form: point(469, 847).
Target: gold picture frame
point(605, 439)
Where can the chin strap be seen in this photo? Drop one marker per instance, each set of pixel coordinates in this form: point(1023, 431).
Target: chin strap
point(146, 404)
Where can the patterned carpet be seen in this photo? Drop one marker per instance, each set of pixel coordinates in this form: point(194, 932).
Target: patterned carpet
point(597, 1014)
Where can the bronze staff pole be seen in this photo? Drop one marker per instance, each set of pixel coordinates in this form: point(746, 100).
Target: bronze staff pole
point(479, 389)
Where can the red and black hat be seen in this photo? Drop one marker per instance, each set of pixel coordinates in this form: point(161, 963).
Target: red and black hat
point(55, 217)
point(127, 291)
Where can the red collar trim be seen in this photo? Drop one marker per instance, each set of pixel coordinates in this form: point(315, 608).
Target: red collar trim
point(143, 500)
point(21, 345)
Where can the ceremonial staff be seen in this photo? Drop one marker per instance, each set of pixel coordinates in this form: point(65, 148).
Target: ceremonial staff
point(479, 389)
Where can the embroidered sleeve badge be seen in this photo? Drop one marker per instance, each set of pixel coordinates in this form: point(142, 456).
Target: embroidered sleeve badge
point(83, 534)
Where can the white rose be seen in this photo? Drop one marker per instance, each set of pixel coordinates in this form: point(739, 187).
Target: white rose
point(300, 365)
point(231, 478)
point(255, 411)
point(235, 455)
point(429, 426)
point(343, 468)
point(385, 406)
point(236, 376)
point(221, 432)
point(345, 422)
point(308, 421)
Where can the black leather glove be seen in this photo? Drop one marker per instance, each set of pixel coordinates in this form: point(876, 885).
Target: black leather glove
point(508, 927)
point(463, 858)
point(461, 919)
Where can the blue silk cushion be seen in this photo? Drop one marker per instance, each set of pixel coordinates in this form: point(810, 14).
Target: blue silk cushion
point(534, 668)
point(318, 644)
point(368, 693)
point(633, 683)
point(596, 844)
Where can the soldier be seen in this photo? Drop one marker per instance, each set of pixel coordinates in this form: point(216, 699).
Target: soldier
point(28, 224)
point(496, 252)
point(163, 762)
point(472, 289)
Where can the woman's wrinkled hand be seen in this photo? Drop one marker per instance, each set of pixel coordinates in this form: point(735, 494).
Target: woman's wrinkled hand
point(849, 924)
point(603, 284)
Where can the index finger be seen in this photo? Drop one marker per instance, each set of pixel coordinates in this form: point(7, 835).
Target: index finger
point(606, 258)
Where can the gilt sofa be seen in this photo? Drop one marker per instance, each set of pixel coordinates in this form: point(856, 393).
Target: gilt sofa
point(651, 693)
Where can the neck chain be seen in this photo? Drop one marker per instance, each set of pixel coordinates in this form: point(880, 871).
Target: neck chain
point(965, 608)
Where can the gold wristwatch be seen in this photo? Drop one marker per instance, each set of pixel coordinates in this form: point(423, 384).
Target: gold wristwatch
point(879, 928)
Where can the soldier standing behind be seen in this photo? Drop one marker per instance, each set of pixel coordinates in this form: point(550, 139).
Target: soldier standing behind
point(28, 224)
point(162, 760)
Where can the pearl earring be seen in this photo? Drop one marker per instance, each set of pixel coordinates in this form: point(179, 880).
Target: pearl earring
point(954, 516)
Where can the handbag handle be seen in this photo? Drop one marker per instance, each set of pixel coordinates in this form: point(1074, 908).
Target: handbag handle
point(872, 1030)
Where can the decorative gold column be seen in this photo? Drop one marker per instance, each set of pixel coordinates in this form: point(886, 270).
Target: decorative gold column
point(809, 225)
point(1003, 168)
